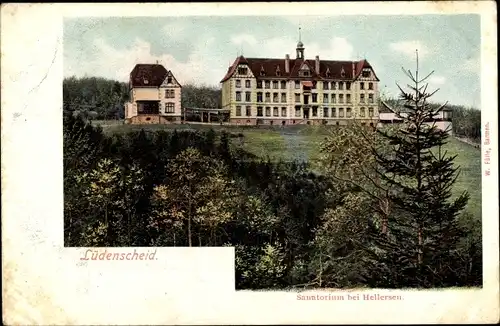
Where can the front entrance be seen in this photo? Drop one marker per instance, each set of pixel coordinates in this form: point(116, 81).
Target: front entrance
point(306, 113)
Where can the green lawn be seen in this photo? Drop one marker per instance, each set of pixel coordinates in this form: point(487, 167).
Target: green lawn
point(302, 143)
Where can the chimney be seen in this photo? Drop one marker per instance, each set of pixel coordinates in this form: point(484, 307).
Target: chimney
point(317, 64)
point(353, 69)
point(287, 63)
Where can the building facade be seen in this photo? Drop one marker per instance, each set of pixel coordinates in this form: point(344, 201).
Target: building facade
point(300, 91)
point(155, 96)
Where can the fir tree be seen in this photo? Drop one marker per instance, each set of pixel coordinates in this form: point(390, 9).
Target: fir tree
point(419, 249)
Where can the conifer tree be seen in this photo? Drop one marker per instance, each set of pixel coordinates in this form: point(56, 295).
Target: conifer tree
point(419, 248)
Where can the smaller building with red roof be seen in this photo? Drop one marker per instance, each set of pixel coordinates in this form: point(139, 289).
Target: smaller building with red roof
point(155, 95)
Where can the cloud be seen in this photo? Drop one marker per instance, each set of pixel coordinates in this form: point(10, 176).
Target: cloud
point(470, 65)
point(408, 48)
point(243, 38)
point(117, 64)
point(337, 48)
point(206, 63)
point(437, 80)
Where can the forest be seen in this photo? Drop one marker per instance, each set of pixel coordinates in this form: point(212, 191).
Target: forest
point(379, 211)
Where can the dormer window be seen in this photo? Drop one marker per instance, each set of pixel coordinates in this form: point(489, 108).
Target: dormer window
point(342, 72)
point(366, 73)
point(242, 71)
point(278, 72)
point(169, 80)
point(146, 81)
point(262, 71)
point(328, 73)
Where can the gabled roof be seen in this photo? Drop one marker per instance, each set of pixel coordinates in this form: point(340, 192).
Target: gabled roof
point(275, 68)
point(362, 65)
point(148, 75)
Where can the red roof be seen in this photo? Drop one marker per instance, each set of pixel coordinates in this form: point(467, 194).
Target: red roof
point(275, 68)
point(148, 75)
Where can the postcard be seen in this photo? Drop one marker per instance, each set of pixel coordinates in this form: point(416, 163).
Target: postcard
point(250, 163)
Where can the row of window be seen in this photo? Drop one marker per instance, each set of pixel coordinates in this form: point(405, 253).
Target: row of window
point(169, 93)
point(298, 112)
point(314, 98)
point(169, 107)
point(282, 84)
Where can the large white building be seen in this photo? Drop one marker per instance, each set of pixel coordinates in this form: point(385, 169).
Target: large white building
point(300, 91)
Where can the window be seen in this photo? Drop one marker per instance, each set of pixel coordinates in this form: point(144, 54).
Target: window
point(262, 73)
point(334, 113)
point(297, 84)
point(259, 97)
point(248, 96)
point(169, 80)
point(325, 112)
point(370, 85)
point(297, 98)
point(238, 96)
point(247, 84)
point(283, 112)
point(325, 85)
point(348, 98)
point(238, 111)
point(334, 98)
point(259, 83)
point(242, 71)
point(297, 112)
point(341, 98)
point(275, 112)
point(169, 107)
point(366, 73)
point(259, 111)
point(325, 98)
point(348, 86)
point(334, 85)
point(370, 98)
point(238, 83)
point(275, 84)
point(283, 84)
point(361, 85)
point(278, 73)
point(315, 112)
point(275, 97)
point(268, 111)
point(341, 86)
point(268, 97)
point(362, 112)
point(370, 112)
point(248, 111)
point(268, 84)
point(348, 112)
point(361, 98)
point(314, 98)
point(341, 112)
point(169, 93)
point(314, 85)
point(283, 97)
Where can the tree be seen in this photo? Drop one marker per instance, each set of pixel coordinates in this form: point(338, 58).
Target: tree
point(423, 232)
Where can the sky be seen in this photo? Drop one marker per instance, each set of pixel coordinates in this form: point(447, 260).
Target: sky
point(199, 50)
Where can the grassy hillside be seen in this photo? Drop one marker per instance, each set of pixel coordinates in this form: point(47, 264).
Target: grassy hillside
point(302, 143)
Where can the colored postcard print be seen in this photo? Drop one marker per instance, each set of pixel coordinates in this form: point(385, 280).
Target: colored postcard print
point(268, 158)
